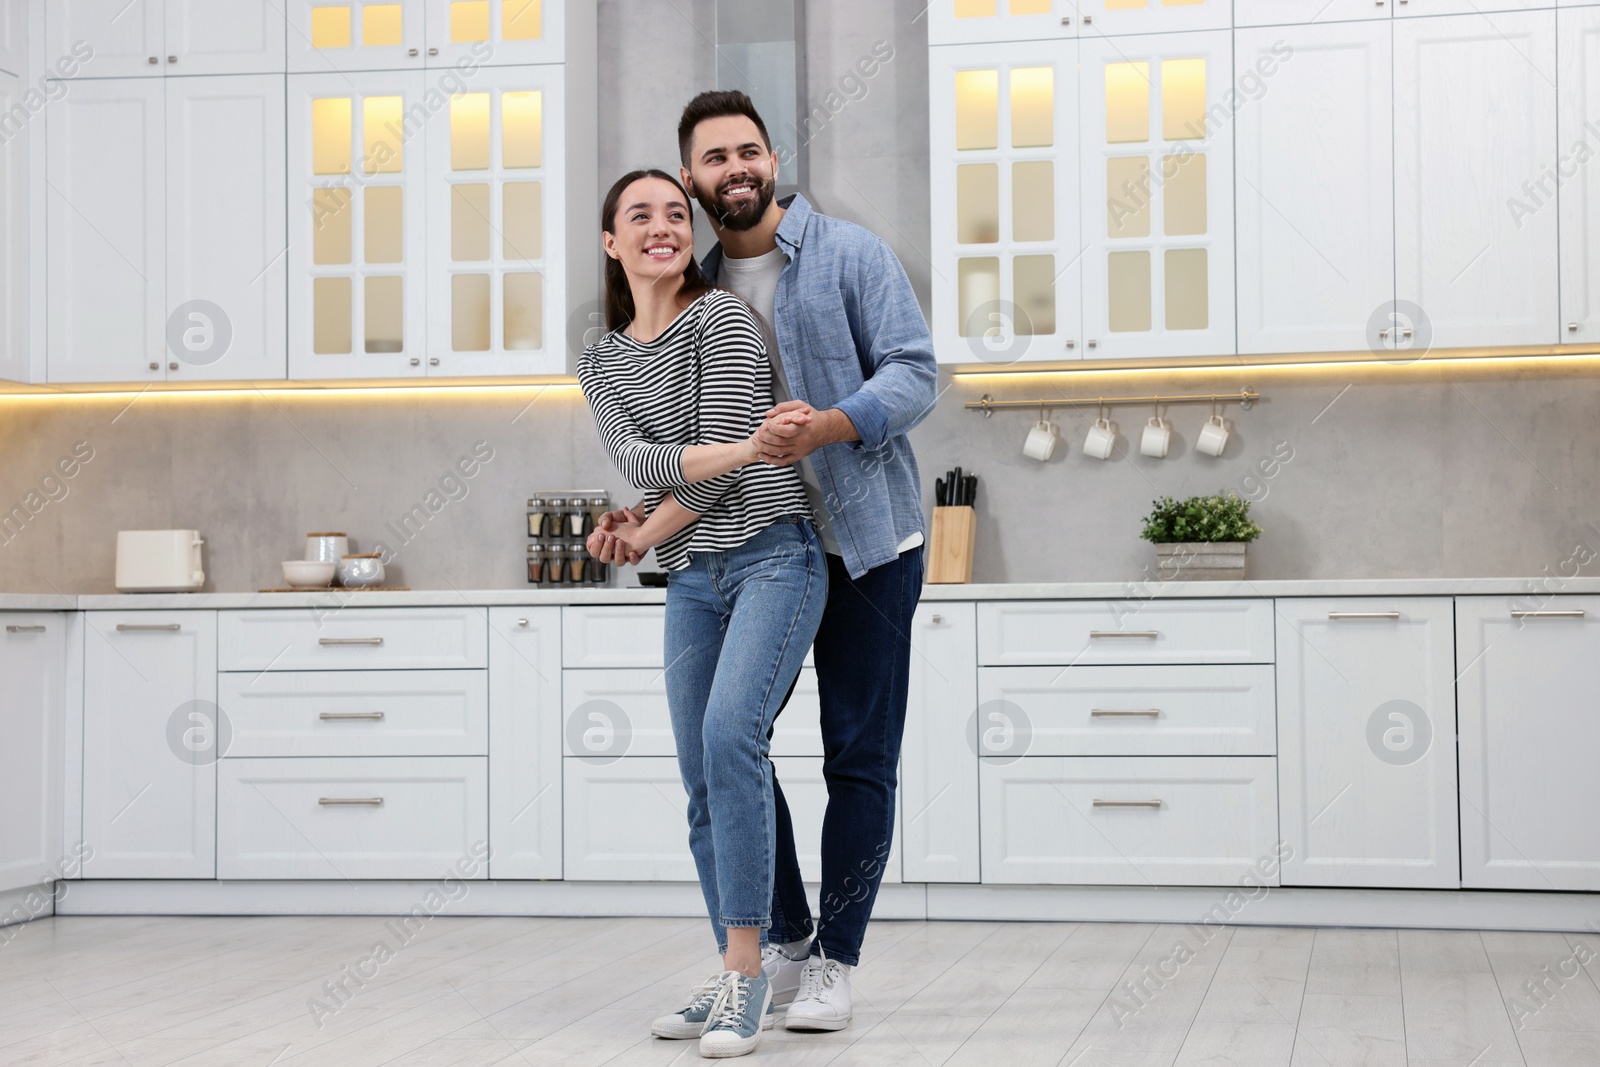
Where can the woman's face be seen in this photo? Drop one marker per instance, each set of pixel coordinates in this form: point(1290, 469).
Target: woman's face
point(651, 234)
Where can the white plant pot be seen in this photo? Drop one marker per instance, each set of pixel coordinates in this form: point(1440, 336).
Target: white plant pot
point(1201, 561)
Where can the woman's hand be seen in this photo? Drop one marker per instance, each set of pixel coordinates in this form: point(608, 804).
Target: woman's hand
point(622, 541)
point(783, 423)
point(606, 549)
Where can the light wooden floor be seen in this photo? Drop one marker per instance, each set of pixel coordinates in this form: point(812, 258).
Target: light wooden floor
point(462, 991)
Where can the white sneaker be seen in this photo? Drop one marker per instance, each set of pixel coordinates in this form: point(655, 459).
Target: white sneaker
point(823, 1002)
point(782, 972)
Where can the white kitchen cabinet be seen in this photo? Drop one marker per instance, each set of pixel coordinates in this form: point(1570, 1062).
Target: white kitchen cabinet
point(1578, 79)
point(351, 35)
point(982, 21)
point(154, 38)
point(14, 38)
point(1105, 820)
point(1366, 742)
point(1003, 128)
point(106, 217)
point(339, 639)
point(150, 744)
point(1156, 152)
point(1528, 675)
point(16, 145)
point(1475, 119)
point(938, 801)
point(496, 239)
point(525, 757)
point(1025, 633)
point(624, 820)
point(33, 656)
point(1417, 8)
point(613, 635)
point(500, 32)
point(1294, 12)
point(1112, 18)
point(225, 190)
point(335, 818)
point(1315, 187)
point(357, 156)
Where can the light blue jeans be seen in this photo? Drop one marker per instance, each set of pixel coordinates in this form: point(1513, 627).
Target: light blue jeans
point(739, 624)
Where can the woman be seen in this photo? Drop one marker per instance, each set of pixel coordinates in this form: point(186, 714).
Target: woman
point(678, 388)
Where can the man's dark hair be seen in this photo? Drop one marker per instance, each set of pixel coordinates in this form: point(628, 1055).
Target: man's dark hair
point(714, 104)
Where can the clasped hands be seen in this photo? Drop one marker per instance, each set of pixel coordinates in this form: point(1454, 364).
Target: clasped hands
point(791, 431)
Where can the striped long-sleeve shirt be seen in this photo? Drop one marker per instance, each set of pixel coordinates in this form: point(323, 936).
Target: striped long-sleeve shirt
point(705, 380)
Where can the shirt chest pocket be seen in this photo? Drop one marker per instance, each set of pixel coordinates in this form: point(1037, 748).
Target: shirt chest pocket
point(825, 326)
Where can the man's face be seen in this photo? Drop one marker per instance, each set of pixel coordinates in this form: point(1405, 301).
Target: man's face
point(731, 171)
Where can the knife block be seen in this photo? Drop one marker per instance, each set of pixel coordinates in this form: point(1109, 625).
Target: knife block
point(950, 545)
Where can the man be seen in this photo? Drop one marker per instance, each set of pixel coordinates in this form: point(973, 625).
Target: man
point(848, 343)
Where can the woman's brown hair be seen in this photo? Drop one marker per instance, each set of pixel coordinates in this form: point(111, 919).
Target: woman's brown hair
point(619, 297)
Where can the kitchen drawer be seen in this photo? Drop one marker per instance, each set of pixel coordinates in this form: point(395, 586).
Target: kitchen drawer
point(631, 635)
point(414, 817)
point(626, 820)
point(314, 639)
point(1178, 820)
point(624, 713)
point(356, 713)
point(1163, 710)
point(1025, 633)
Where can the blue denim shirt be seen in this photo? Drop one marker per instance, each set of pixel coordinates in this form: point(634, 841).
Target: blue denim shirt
point(852, 337)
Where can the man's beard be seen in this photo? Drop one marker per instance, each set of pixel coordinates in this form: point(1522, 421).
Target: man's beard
point(740, 215)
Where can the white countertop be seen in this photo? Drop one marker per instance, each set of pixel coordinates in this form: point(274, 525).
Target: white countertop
point(1519, 587)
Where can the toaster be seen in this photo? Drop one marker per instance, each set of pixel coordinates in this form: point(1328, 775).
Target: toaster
point(159, 561)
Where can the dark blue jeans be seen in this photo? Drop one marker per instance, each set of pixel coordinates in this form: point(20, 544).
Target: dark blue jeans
point(863, 656)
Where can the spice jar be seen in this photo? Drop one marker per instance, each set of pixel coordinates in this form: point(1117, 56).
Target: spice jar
point(555, 522)
point(538, 516)
point(599, 571)
point(536, 564)
point(555, 570)
point(598, 506)
point(577, 562)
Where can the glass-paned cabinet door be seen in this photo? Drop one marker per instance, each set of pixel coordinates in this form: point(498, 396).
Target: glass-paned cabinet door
point(1004, 202)
point(357, 157)
point(496, 32)
point(976, 21)
point(326, 35)
point(495, 211)
point(1101, 18)
point(1157, 159)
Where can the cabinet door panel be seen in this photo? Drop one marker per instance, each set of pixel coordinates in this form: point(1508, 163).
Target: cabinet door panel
point(32, 712)
point(225, 218)
point(329, 35)
point(525, 758)
point(1100, 18)
point(357, 288)
point(125, 37)
point(1297, 12)
point(1157, 193)
point(495, 305)
point(1475, 252)
point(150, 744)
point(977, 21)
point(1578, 78)
point(1366, 743)
point(1004, 194)
point(497, 32)
point(224, 37)
point(106, 256)
point(938, 765)
point(15, 149)
point(14, 39)
point(1528, 740)
point(1316, 187)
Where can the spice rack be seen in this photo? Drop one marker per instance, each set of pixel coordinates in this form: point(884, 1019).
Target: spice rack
point(559, 522)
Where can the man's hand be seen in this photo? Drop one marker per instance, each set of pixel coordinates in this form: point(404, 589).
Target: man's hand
point(794, 430)
point(605, 547)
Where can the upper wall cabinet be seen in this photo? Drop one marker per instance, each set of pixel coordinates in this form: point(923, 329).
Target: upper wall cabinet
point(15, 140)
point(1157, 191)
point(329, 35)
point(151, 38)
point(1005, 225)
point(1290, 12)
point(1578, 78)
point(974, 21)
point(1315, 190)
point(14, 38)
point(165, 208)
point(1475, 127)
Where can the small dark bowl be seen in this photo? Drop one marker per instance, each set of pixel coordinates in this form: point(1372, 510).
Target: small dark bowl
point(653, 579)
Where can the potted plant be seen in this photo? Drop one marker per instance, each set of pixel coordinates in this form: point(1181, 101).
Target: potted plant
point(1202, 538)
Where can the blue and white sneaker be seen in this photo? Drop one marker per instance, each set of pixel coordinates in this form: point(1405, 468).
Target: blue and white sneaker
point(742, 1010)
point(691, 1019)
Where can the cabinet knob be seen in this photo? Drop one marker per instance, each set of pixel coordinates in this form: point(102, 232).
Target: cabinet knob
point(155, 366)
point(1384, 333)
point(937, 620)
point(1066, 20)
point(1088, 19)
point(154, 61)
point(411, 51)
point(1405, 331)
point(173, 365)
point(1093, 343)
point(1572, 327)
point(433, 361)
point(1072, 344)
point(172, 59)
point(433, 51)
point(415, 362)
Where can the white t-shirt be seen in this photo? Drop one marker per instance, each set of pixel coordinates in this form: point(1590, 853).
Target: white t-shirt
point(756, 281)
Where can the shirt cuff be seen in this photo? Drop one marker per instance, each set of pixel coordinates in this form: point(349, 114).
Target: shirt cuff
point(870, 417)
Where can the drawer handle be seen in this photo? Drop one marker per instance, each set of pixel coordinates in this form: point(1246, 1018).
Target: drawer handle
point(1575, 613)
point(1125, 633)
point(25, 629)
point(334, 802)
point(1127, 803)
point(330, 716)
point(1363, 614)
point(1101, 713)
point(349, 640)
point(125, 627)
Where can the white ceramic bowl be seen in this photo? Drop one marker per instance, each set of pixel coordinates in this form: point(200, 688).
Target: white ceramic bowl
point(308, 574)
